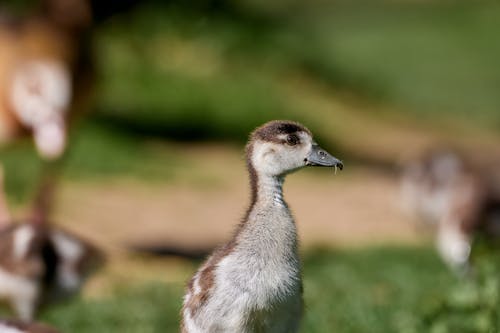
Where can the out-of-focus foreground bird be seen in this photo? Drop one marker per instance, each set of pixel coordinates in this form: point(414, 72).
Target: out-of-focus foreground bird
point(45, 75)
point(44, 72)
point(41, 263)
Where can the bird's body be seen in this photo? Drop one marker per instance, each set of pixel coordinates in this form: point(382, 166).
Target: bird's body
point(21, 269)
point(253, 283)
point(44, 76)
point(257, 276)
point(447, 192)
point(40, 264)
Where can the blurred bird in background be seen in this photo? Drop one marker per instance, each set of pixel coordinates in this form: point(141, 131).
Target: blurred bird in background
point(449, 193)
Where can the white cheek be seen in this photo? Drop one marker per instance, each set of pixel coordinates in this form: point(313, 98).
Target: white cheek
point(274, 159)
point(291, 160)
point(304, 153)
point(294, 157)
point(265, 159)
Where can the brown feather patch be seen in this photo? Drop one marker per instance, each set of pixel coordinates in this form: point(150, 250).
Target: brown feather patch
point(31, 265)
point(206, 278)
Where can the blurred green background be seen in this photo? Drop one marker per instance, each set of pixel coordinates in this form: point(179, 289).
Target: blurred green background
point(372, 79)
point(214, 70)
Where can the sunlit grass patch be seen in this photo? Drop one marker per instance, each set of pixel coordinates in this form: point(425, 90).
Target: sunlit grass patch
point(150, 308)
point(370, 290)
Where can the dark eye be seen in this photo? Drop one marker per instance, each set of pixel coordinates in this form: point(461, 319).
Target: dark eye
point(292, 140)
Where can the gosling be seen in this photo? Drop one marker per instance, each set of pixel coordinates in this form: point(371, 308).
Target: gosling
point(253, 282)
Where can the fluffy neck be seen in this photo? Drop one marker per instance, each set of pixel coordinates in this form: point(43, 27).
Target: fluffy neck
point(266, 190)
point(268, 231)
point(266, 197)
point(268, 219)
point(269, 191)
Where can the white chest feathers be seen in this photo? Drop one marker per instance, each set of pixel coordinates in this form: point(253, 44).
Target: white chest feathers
point(253, 284)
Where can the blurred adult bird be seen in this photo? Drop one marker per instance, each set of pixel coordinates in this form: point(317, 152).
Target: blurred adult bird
point(45, 77)
point(44, 73)
point(446, 191)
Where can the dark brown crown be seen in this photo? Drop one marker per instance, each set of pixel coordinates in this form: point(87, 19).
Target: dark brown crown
point(270, 131)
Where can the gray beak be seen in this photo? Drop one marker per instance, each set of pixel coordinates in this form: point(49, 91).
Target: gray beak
point(320, 157)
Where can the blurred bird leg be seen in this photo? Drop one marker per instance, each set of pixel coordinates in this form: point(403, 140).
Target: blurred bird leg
point(4, 208)
point(453, 244)
point(44, 198)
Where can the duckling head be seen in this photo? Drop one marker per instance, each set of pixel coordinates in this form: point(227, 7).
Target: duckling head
point(280, 147)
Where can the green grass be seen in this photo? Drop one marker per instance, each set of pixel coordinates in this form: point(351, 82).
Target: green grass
point(370, 290)
point(150, 308)
point(373, 290)
point(379, 290)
